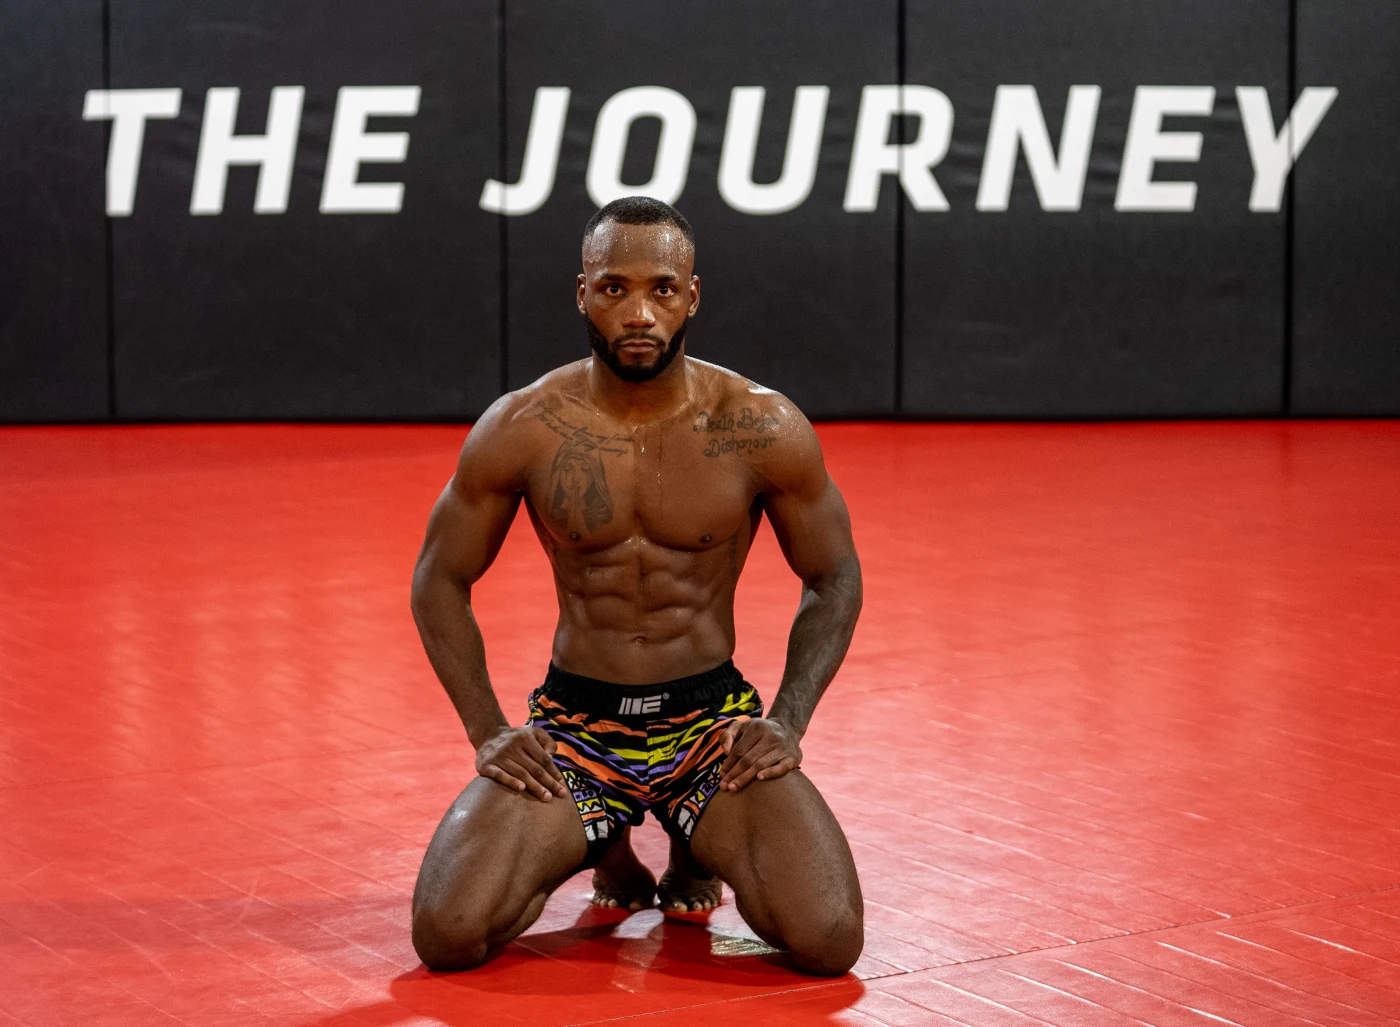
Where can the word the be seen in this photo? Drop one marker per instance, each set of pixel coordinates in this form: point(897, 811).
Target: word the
point(273, 152)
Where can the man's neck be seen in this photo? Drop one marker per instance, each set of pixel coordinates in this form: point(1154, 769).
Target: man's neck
point(640, 402)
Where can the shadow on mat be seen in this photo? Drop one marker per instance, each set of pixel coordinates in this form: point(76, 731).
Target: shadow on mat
point(608, 963)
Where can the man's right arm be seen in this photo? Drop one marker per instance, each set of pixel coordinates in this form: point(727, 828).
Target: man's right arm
point(465, 532)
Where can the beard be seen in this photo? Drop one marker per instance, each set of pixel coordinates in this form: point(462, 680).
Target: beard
point(635, 373)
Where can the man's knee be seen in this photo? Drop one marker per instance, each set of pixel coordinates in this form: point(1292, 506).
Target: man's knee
point(827, 946)
point(448, 942)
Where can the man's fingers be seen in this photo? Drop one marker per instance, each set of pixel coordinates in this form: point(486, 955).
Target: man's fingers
point(546, 740)
point(730, 734)
point(543, 757)
point(777, 769)
point(548, 747)
point(744, 772)
point(498, 775)
point(541, 780)
point(742, 778)
point(738, 762)
point(559, 786)
point(531, 773)
point(752, 768)
point(743, 741)
point(756, 758)
point(534, 750)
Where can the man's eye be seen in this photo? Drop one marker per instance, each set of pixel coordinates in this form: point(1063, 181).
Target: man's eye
point(612, 290)
point(666, 290)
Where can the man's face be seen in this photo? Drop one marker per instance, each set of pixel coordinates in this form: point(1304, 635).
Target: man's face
point(637, 292)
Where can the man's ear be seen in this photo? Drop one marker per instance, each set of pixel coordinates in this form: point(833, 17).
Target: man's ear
point(582, 291)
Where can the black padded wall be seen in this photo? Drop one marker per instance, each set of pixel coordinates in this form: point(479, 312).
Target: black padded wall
point(53, 281)
point(305, 314)
point(1346, 303)
point(995, 283)
point(801, 301)
point(1097, 312)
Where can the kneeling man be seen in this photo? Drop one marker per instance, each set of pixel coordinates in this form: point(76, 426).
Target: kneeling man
point(645, 474)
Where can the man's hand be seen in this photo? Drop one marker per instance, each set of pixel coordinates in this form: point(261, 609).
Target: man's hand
point(758, 749)
point(522, 758)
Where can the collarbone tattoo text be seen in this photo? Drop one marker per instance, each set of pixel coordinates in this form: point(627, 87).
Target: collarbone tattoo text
point(744, 432)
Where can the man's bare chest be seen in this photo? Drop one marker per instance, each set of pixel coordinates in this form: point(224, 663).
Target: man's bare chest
point(686, 483)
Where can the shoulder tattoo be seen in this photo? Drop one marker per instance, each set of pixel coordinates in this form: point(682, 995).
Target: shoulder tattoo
point(744, 432)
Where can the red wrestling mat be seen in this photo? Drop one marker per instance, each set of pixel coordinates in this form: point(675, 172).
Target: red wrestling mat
point(1118, 741)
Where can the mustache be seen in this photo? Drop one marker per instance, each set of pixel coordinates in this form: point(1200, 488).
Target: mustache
point(596, 335)
point(606, 351)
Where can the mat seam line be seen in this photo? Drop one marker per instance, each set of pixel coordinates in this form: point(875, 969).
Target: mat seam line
point(1245, 917)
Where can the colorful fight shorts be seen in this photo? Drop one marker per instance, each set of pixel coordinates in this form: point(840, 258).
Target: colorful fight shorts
point(628, 749)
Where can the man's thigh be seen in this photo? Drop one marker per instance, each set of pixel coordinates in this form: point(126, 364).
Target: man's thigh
point(494, 858)
point(778, 846)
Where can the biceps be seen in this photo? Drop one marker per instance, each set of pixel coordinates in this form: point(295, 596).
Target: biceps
point(814, 533)
point(465, 533)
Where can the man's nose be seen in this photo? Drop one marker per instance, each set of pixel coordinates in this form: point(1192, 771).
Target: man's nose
point(640, 316)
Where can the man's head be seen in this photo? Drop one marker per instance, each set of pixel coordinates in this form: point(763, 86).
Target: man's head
point(637, 291)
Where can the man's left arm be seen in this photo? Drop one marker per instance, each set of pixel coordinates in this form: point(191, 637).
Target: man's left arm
point(813, 528)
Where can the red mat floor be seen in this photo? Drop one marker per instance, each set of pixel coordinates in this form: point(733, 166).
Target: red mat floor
point(1118, 740)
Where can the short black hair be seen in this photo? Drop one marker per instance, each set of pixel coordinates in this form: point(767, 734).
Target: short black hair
point(640, 210)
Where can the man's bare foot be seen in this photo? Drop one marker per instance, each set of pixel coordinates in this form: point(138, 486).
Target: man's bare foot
point(685, 887)
point(621, 880)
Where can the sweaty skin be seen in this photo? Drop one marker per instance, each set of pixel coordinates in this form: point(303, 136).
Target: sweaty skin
point(646, 496)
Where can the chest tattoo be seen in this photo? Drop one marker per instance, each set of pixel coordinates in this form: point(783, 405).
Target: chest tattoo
point(579, 498)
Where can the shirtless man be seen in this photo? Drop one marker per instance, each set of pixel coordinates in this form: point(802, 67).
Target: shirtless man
point(645, 474)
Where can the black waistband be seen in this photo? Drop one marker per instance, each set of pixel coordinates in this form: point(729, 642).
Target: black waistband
point(666, 699)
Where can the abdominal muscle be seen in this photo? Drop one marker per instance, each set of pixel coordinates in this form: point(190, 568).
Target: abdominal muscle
point(639, 613)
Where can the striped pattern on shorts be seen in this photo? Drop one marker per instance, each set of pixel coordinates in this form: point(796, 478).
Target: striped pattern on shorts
point(625, 750)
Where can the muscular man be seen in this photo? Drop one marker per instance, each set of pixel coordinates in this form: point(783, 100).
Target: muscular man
point(645, 474)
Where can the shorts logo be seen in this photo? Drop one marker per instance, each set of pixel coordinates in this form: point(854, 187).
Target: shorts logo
point(649, 704)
